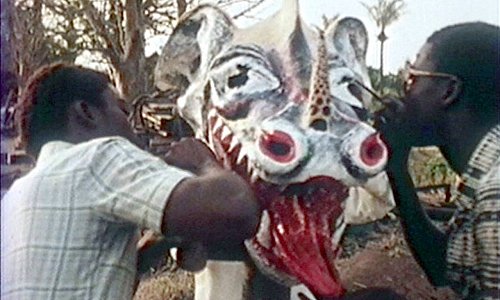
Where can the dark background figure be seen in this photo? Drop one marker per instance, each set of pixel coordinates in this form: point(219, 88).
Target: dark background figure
point(452, 100)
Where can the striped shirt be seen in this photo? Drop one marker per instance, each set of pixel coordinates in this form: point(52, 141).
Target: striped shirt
point(70, 226)
point(473, 255)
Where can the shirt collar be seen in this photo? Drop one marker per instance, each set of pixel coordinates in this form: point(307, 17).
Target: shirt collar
point(49, 149)
point(482, 159)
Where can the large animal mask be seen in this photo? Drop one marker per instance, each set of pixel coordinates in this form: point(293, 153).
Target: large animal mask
point(277, 103)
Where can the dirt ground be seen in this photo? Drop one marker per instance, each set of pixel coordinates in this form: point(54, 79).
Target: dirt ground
point(374, 255)
point(385, 261)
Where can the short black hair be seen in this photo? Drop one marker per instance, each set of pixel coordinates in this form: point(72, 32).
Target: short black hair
point(48, 95)
point(471, 52)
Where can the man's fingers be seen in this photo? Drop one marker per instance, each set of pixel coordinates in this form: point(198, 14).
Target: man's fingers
point(148, 238)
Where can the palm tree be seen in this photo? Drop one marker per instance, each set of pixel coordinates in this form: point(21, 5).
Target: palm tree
point(384, 13)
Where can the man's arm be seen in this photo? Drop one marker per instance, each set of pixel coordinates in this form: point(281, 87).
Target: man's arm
point(427, 243)
point(216, 207)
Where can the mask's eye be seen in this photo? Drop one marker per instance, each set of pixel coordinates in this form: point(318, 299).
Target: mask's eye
point(239, 79)
point(355, 91)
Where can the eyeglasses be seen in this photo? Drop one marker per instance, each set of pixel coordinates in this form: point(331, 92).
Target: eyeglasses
point(409, 74)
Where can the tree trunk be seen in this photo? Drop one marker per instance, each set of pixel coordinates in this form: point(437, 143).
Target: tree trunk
point(181, 7)
point(6, 46)
point(382, 38)
point(8, 80)
point(131, 69)
point(381, 63)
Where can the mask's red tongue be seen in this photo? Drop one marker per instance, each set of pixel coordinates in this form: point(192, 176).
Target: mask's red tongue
point(295, 240)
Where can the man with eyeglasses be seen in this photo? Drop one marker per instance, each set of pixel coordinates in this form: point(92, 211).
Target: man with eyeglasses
point(452, 100)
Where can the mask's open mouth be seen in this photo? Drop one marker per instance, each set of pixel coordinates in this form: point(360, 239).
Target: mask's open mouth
point(301, 226)
point(299, 234)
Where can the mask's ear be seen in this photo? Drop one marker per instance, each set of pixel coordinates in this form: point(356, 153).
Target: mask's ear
point(347, 41)
point(184, 62)
point(349, 38)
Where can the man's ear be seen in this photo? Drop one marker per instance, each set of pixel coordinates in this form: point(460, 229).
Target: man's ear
point(451, 92)
point(83, 114)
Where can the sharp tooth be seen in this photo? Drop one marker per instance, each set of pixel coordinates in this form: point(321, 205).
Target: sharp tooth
point(211, 144)
point(337, 235)
point(297, 209)
point(340, 219)
point(212, 113)
point(173, 253)
point(255, 176)
point(241, 155)
point(249, 168)
point(234, 143)
point(263, 236)
point(217, 125)
point(225, 132)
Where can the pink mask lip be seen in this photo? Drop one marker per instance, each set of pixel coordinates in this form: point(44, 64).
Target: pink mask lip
point(373, 150)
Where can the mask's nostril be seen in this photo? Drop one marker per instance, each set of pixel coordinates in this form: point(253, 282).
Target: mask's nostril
point(319, 125)
point(373, 150)
point(278, 145)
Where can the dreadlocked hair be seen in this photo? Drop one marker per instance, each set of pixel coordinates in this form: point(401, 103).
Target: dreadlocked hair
point(46, 99)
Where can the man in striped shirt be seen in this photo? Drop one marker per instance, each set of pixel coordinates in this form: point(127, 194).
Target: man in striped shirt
point(71, 225)
point(452, 100)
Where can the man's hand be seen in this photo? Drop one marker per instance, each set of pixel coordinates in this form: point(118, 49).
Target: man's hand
point(394, 124)
point(192, 155)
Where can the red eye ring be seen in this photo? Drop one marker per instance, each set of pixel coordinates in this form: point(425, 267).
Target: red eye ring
point(278, 145)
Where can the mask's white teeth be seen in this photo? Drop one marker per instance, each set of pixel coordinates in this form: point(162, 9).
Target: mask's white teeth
point(212, 113)
point(254, 176)
point(217, 125)
point(211, 143)
point(241, 155)
point(337, 235)
point(297, 210)
point(339, 220)
point(249, 168)
point(263, 236)
point(234, 143)
point(225, 133)
point(173, 253)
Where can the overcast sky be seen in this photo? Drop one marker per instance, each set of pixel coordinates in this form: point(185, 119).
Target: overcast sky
point(420, 19)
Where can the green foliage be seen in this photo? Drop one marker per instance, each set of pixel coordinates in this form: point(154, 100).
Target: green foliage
point(390, 85)
point(429, 168)
point(385, 12)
